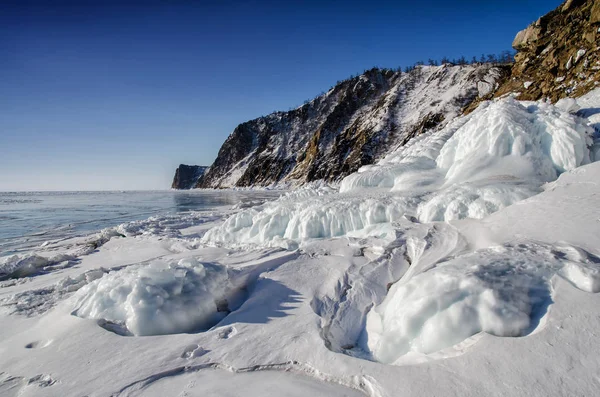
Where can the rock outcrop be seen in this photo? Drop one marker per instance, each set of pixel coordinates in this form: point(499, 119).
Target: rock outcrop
point(186, 176)
point(362, 119)
point(355, 123)
point(558, 55)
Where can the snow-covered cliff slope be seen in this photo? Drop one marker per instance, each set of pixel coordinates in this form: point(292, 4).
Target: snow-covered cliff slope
point(355, 123)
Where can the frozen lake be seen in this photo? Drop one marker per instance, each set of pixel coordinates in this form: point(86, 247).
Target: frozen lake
point(28, 219)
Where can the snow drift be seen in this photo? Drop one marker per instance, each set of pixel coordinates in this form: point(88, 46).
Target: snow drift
point(160, 298)
point(498, 155)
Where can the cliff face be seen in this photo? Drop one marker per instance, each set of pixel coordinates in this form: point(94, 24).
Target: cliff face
point(186, 176)
point(558, 55)
point(354, 124)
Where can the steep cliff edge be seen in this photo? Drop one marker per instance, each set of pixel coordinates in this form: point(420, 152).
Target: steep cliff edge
point(355, 123)
point(186, 176)
point(558, 55)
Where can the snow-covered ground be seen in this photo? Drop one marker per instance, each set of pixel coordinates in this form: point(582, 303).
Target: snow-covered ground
point(466, 263)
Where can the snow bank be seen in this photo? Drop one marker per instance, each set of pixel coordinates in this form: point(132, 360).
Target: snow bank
point(159, 298)
point(498, 155)
point(503, 291)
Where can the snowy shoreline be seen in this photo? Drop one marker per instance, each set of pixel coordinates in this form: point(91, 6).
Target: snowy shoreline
point(469, 257)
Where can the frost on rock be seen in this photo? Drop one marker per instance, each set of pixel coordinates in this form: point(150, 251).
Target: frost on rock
point(159, 298)
point(503, 291)
point(500, 154)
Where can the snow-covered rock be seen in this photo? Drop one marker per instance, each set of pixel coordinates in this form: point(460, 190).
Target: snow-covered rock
point(355, 123)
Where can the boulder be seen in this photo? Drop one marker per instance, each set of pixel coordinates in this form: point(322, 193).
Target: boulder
point(527, 36)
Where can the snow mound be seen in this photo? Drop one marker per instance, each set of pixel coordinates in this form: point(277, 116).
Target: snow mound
point(501, 138)
point(500, 154)
point(159, 298)
point(503, 291)
point(18, 266)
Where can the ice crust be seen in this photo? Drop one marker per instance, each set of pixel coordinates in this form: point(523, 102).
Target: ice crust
point(160, 298)
point(500, 154)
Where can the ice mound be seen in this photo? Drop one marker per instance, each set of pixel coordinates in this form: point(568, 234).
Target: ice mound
point(18, 266)
point(286, 222)
point(501, 138)
point(164, 225)
point(473, 200)
point(503, 291)
point(159, 298)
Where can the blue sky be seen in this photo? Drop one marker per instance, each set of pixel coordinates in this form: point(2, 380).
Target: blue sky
point(114, 95)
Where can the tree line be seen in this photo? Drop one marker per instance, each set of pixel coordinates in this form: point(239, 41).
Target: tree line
point(503, 58)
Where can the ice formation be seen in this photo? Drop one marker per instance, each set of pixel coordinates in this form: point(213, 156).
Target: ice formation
point(500, 154)
point(160, 298)
point(17, 266)
point(500, 290)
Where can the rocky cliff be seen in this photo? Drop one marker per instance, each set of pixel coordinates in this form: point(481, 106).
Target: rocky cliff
point(186, 176)
point(362, 119)
point(355, 123)
point(558, 55)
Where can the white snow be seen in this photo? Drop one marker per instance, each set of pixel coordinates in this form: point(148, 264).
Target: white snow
point(579, 54)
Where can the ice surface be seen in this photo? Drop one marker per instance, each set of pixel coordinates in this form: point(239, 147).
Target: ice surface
point(160, 298)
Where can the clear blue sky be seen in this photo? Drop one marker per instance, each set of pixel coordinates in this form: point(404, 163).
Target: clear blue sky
point(114, 95)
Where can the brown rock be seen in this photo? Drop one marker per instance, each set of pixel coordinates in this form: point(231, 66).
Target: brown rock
point(590, 37)
point(571, 4)
point(526, 36)
point(595, 12)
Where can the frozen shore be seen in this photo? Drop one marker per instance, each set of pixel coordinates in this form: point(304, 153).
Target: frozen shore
point(464, 264)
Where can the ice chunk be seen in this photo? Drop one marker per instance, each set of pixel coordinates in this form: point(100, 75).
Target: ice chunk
point(159, 298)
point(503, 291)
point(568, 105)
point(18, 266)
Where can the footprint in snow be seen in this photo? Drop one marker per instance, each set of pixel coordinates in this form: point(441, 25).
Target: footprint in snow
point(193, 351)
point(39, 344)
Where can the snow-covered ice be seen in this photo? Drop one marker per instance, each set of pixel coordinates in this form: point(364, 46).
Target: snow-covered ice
point(470, 257)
